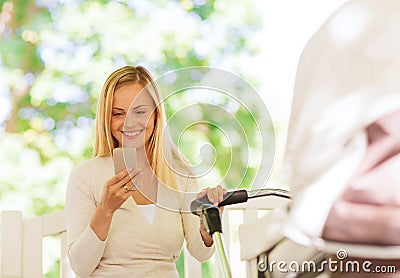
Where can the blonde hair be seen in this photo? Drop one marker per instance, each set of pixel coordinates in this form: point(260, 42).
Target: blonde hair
point(161, 151)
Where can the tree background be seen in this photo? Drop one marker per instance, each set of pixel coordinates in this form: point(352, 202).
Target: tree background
point(55, 56)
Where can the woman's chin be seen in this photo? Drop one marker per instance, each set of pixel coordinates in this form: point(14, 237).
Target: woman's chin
point(132, 143)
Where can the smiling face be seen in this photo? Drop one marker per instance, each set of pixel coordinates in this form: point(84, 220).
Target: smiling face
point(132, 117)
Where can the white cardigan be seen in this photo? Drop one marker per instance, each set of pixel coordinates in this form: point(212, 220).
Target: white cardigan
point(134, 247)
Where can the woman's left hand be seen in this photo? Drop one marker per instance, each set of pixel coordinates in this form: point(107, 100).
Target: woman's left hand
point(215, 195)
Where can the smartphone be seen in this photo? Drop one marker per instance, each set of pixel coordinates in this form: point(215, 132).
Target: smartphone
point(124, 158)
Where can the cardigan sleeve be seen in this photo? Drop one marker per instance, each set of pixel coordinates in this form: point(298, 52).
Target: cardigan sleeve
point(191, 226)
point(85, 249)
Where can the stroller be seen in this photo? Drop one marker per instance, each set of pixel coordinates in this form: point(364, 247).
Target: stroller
point(347, 90)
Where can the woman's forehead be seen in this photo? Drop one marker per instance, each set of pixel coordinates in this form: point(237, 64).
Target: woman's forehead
point(132, 94)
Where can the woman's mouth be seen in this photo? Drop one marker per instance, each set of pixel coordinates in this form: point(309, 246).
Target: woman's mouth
point(132, 134)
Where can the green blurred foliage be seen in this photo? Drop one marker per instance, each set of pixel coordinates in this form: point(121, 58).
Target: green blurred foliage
point(54, 58)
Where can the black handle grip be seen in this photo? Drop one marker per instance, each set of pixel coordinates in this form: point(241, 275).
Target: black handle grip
point(234, 197)
point(230, 198)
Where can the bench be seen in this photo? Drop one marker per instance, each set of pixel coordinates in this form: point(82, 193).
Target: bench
point(22, 241)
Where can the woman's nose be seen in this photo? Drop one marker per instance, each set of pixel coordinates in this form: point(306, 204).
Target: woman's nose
point(130, 121)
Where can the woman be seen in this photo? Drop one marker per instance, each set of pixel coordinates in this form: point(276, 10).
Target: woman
point(116, 226)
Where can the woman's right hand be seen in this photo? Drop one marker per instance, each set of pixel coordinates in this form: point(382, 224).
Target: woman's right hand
point(115, 193)
point(118, 189)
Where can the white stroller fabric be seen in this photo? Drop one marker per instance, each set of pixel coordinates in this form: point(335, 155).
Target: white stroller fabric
point(348, 77)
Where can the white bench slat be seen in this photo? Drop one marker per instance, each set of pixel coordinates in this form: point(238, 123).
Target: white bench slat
point(11, 250)
point(65, 269)
point(54, 223)
point(250, 214)
point(192, 267)
point(32, 248)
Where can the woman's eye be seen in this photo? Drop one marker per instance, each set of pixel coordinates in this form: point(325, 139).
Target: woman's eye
point(140, 112)
point(117, 114)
